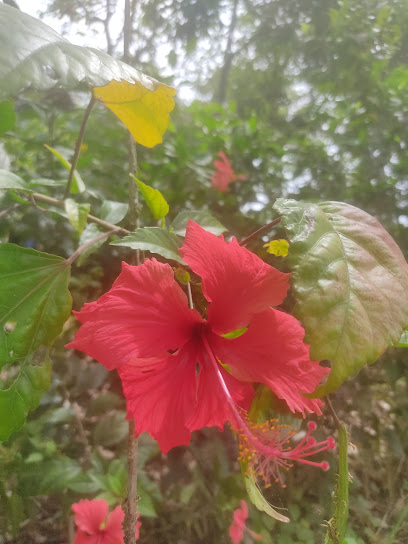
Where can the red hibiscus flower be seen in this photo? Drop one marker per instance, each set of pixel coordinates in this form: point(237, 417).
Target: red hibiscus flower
point(224, 174)
point(237, 528)
point(181, 372)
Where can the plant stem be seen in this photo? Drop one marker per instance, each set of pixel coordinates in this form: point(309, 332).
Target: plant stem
point(260, 231)
point(130, 506)
point(81, 249)
point(91, 218)
point(78, 145)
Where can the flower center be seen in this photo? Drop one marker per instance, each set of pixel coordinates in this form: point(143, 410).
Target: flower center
point(265, 447)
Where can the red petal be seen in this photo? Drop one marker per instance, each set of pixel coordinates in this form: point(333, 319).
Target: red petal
point(272, 352)
point(212, 407)
point(161, 400)
point(90, 515)
point(145, 314)
point(236, 282)
point(84, 538)
point(113, 533)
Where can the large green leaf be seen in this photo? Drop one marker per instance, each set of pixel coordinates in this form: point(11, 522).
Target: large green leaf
point(33, 55)
point(22, 395)
point(351, 284)
point(201, 217)
point(34, 300)
point(8, 180)
point(155, 240)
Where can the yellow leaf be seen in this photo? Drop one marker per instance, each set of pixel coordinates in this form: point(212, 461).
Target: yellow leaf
point(145, 112)
point(279, 248)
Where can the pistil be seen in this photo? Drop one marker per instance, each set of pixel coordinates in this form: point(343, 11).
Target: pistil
point(265, 447)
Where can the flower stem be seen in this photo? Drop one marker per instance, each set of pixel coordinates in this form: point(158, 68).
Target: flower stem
point(78, 145)
point(260, 231)
point(81, 249)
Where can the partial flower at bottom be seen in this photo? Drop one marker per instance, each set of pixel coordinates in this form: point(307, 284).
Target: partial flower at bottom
point(238, 527)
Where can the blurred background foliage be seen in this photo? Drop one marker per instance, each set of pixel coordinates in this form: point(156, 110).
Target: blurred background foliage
point(309, 99)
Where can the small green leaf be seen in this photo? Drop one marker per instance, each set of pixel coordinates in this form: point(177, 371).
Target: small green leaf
point(111, 430)
point(113, 212)
point(403, 341)
point(181, 275)
point(337, 525)
point(207, 221)
point(77, 214)
point(46, 182)
point(154, 199)
point(8, 180)
point(22, 396)
point(350, 281)
point(90, 233)
point(256, 497)
point(235, 334)
point(279, 248)
point(34, 300)
point(7, 116)
point(78, 185)
point(155, 240)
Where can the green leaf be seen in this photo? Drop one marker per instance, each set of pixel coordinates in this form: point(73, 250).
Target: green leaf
point(154, 199)
point(113, 212)
point(8, 180)
point(34, 300)
point(78, 185)
point(34, 56)
point(7, 116)
point(90, 233)
point(403, 341)
point(350, 281)
point(22, 396)
point(336, 528)
point(204, 219)
point(77, 214)
point(155, 240)
point(111, 430)
point(256, 497)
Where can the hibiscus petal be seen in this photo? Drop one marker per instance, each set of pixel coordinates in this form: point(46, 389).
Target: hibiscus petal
point(161, 400)
point(145, 314)
point(113, 533)
point(236, 282)
point(84, 538)
point(272, 352)
point(212, 407)
point(90, 515)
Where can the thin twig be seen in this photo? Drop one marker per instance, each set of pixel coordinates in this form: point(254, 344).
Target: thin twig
point(130, 506)
point(78, 145)
point(332, 411)
point(89, 244)
point(9, 209)
point(91, 218)
point(260, 231)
